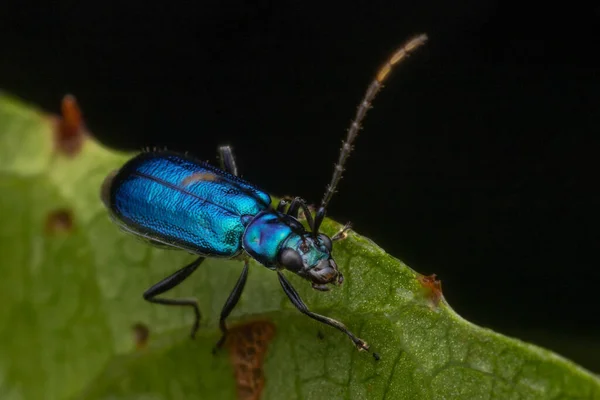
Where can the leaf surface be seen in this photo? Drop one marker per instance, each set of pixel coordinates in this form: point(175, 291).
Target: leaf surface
point(71, 292)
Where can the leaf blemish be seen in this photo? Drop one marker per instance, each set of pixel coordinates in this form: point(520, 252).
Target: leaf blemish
point(432, 288)
point(248, 344)
point(70, 131)
point(141, 333)
point(59, 222)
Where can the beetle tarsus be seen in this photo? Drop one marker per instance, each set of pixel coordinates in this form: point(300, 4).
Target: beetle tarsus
point(342, 233)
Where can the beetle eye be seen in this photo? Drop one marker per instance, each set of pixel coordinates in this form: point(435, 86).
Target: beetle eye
point(291, 260)
point(326, 241)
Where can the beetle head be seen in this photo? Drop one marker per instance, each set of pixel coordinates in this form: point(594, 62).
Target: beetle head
point(309, 256)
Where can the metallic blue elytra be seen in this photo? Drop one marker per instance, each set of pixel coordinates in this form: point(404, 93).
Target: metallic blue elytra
point(174, 200)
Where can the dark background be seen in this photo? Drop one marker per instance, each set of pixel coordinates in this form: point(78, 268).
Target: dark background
point(478, 161)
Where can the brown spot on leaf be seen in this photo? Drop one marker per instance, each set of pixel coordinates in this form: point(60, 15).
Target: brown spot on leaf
point(432, 288)
point(247, 344)
point(141, 333)
point(59, 221)
point(70, 131)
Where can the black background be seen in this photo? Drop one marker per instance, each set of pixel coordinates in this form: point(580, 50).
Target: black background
point(477, 162)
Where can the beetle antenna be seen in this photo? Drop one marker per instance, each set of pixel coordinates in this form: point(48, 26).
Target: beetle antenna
point(355, 126)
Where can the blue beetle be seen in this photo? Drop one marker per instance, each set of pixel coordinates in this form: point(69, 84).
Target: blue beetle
point(177, 201)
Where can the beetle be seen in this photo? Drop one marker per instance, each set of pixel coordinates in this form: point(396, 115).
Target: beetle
point(174, 200)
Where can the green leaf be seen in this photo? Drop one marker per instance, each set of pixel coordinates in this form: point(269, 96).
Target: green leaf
point(71, 289)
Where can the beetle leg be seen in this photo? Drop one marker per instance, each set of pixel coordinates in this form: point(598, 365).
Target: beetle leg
point(232, 300)
point(284, 201)
point(227, 160)
point(297, 301)
point(169, 283)
point(295, 205)
point(341, 234)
